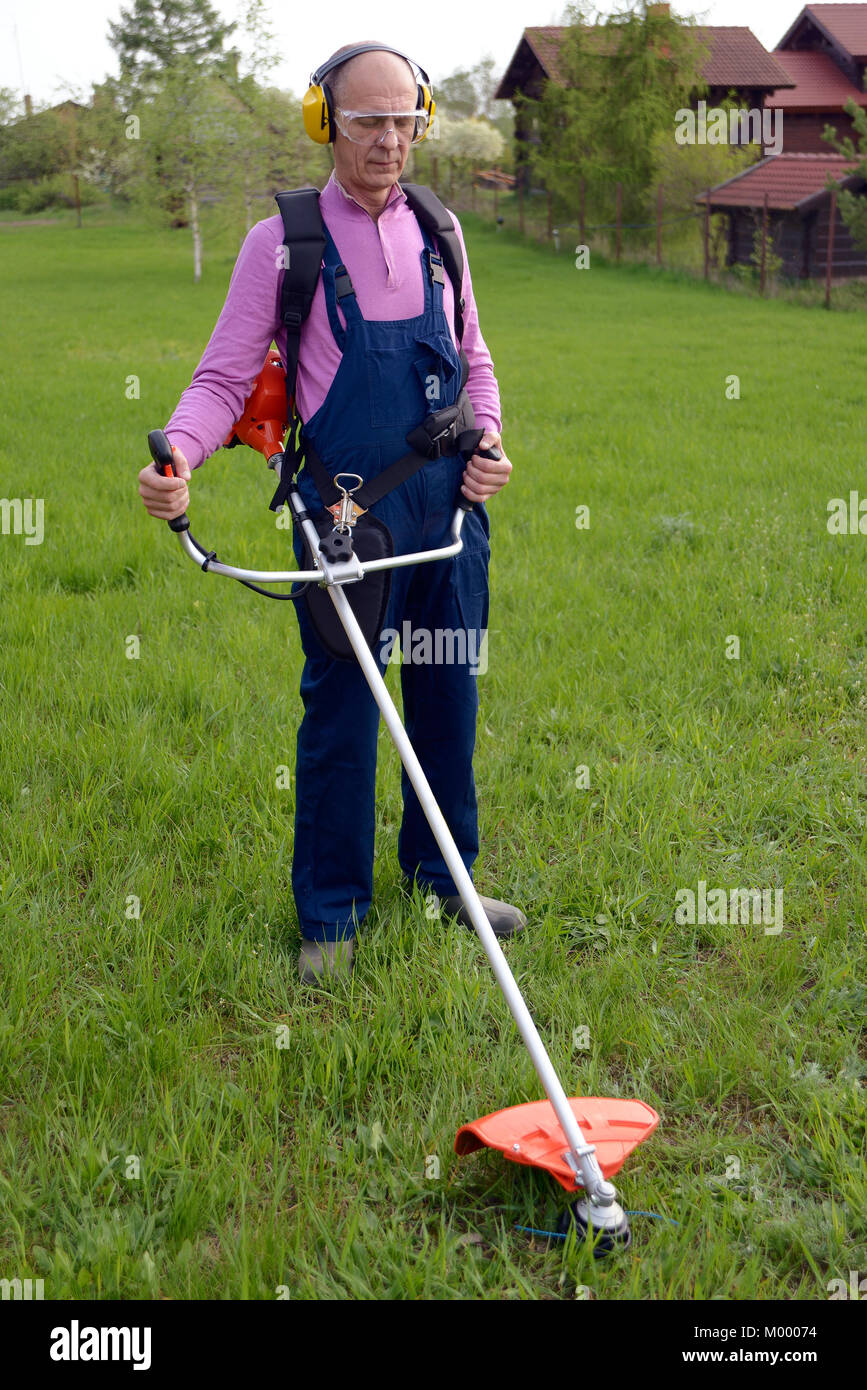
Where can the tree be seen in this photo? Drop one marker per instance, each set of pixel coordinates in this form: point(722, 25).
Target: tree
point(470, 92)
point(623, 81)
point(853, 207)
point(259, 54)
point(475, 141)
point(110, 149)
point(276, 152)
point(456, 96)
point(155, 35)
point(10, 105)
point(171, 55)
point(684, 172)
point(33, 146)
point(192, 137)
point(466, 144)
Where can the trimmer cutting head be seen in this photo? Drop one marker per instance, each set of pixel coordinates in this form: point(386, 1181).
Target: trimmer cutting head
point(532, 1134)
point(608, 1231)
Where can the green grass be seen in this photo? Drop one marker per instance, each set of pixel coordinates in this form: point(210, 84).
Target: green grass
point(155, 778)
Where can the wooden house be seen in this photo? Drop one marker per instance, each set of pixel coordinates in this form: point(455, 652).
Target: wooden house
point(825, 55)
point(737, 62)
point(799, 213)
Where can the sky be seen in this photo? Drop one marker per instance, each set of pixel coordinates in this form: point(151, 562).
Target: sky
point(56, 48)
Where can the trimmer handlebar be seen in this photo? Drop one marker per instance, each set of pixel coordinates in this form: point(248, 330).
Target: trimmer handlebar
point(464, 502)
point(161, 453)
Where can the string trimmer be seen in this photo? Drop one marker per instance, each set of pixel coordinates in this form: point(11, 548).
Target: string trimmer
point(581, 1142)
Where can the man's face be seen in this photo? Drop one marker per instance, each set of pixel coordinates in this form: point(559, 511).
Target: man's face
point(374, 82)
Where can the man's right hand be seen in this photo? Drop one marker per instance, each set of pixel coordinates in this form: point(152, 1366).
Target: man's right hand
point(166, 498)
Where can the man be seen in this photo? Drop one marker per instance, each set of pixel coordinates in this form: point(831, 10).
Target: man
point(368, 368)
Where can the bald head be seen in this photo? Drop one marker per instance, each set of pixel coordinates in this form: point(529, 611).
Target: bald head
point(375, 67)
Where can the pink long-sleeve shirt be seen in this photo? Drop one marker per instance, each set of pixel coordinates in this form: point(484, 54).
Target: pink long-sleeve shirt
point(383, 258)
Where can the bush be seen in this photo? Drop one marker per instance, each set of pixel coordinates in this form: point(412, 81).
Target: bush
point(773, 262)
point(55, 191)
point(34, 197)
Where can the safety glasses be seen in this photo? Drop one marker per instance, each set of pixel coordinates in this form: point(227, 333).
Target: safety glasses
point(371, 127)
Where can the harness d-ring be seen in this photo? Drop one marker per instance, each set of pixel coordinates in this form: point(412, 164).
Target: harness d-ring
point(346, 512)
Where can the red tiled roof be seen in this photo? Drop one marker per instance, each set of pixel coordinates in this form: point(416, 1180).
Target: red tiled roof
point(736, 58)
point(788, 179)
point(846, 23)
point(820, 85)
point(546, 42)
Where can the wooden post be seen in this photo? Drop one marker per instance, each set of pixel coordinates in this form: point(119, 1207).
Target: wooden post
point(619, 221)
point(581, 217)
point(707, 235)
point(659, 225)
point(550, 215)
point(763, 272)
point(496, 198)
point(72, 136)
point(521, 207)
point(832, 219)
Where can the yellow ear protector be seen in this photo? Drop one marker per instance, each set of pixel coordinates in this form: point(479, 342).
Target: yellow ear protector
point(317, 108)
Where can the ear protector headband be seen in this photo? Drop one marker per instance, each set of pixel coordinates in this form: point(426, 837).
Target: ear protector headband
point(317, 107)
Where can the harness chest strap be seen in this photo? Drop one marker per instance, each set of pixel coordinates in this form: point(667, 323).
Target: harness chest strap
point(363, 498)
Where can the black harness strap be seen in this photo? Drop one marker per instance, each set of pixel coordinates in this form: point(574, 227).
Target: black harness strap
point(304, 247)
point(465, 442)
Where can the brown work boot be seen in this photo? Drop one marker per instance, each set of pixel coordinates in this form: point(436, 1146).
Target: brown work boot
point(325, 962)
point(504, 919)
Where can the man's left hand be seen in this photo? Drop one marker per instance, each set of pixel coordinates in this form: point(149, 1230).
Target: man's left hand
point(484, 477)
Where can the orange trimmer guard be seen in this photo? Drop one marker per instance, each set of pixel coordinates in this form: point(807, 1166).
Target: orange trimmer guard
point(532, 1134)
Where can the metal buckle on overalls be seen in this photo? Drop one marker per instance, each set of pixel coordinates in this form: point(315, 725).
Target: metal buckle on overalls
point(346, 512)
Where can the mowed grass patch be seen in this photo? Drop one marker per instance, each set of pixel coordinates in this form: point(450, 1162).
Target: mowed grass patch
point(178, 1116)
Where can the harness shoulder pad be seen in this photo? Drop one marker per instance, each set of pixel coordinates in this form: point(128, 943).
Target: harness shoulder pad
point(304, 239)
point(433, 216)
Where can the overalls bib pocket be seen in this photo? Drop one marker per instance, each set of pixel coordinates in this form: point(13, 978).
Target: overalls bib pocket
point(394, 385)
point(436, 374)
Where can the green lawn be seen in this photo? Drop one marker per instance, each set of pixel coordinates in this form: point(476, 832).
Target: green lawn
point(154, 1139)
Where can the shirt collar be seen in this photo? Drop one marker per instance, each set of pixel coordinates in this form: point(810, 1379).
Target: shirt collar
point(396, 194)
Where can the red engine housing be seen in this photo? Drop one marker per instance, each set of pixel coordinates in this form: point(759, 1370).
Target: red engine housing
point(264, 423)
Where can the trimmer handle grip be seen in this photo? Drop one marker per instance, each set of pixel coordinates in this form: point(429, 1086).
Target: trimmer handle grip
point(464, 502)
point(161, 453)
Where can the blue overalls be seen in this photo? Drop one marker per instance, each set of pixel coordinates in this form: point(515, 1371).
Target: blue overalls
point(386, 385)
